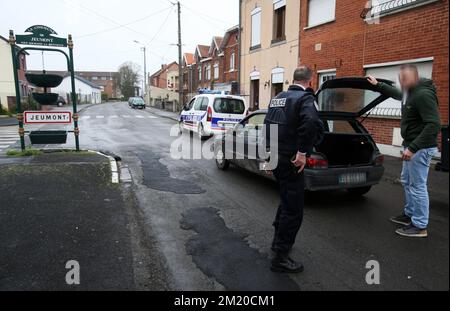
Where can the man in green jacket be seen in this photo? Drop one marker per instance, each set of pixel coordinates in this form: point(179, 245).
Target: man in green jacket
point(420, 129)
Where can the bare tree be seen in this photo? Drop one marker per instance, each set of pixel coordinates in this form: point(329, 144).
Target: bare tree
point(128, 78)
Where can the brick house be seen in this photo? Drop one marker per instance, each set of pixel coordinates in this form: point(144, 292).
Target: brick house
point(106, 80)
point(7, 86)
point(216, 62)
point(188, 75)
point(203, 66)
point(356, 38)
point(166, 77)
point(229, 52)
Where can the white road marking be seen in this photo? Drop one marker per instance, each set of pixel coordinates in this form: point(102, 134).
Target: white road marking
point(100, 117)
point(140, 117)
point(85, 117)
point(126, 117)
point(114, 117)
point(152, 117)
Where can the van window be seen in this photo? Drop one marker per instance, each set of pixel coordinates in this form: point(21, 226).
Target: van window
point(190, 105)
point(229, 106)
point(198, 103)
point(204, 105)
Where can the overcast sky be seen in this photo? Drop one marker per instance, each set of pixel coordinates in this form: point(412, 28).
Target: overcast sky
point(104, 30)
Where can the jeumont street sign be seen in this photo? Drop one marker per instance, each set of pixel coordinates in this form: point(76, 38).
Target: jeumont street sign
point(53, 117)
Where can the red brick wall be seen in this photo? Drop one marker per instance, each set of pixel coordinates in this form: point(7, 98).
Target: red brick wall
point(231, 47)
point(349, 43)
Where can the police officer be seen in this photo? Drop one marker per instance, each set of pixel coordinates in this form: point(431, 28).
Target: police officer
point(299, 129)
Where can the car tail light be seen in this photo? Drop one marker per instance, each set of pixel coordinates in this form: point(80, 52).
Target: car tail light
point(379, 160)
point(210, 113)
point(316, 161)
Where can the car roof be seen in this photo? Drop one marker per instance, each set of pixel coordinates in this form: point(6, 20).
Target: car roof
point(214, 96)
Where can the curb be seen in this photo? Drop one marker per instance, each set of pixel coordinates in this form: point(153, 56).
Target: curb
point(176, 119)
point(114, 167)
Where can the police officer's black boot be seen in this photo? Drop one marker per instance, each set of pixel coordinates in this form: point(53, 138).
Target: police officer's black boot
point(282, 263)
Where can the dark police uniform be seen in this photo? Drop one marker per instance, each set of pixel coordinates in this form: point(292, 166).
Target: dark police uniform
point(299, 129)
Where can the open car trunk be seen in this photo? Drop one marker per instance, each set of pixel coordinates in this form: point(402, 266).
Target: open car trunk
point(343, 150)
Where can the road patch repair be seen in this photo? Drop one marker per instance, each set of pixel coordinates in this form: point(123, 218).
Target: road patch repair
point(63, 207)
point(157, 177)
point(224, 255)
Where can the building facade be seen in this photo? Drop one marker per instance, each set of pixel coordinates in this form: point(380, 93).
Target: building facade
point(166, 77)
point(229, 56)
point(7, 85)
point(87, 91)
point(269, 48)
point(358, 38)
point(106, 80)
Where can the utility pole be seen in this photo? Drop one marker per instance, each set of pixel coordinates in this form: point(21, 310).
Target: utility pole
point(144, 49)
point(180, 60)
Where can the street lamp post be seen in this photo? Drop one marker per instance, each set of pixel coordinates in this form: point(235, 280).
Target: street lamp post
point(146, 89)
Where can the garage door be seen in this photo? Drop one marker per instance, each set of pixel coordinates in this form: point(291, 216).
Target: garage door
point(392, 107)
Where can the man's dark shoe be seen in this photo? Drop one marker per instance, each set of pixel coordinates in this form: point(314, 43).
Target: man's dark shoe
point(284, 264)
point(412, 232)
point(402, 220)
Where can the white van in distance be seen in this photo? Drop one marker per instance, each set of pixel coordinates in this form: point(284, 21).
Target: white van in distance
point(212, 113)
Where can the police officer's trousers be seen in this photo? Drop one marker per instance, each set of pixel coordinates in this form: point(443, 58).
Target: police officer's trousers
point(290, 212)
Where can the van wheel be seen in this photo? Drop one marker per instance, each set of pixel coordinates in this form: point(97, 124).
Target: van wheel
point(359, 191)
point(222, 163)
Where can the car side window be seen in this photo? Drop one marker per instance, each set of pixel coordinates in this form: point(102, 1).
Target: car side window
point(205, 103)
point(190, 105)
point(198, 103)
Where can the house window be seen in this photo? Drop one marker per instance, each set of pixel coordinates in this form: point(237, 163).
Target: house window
point(233, 61)
point(208, 72)
point(256, 28)
point(199, 73)
point(321, 11)
point(216, 71)
point(104, 78)
point(325, 76)
point(279, 20)
point(392, 107)
point(384, 7)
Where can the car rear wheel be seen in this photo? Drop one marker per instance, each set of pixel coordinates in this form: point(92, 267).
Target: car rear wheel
point(222, 163)
point(359, 191)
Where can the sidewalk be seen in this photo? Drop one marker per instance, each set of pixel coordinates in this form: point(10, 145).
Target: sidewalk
point(61, 207)
point(164, 114)
point(438, 183)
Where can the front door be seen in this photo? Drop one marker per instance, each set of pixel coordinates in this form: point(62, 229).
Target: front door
point(254, 95)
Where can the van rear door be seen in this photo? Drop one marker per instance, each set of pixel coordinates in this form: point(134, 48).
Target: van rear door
point(228, 111)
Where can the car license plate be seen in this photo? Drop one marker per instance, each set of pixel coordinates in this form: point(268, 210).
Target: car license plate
point(228, 126)
point(353, 179)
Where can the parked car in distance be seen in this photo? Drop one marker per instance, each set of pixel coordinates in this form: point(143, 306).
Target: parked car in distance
point(137, 103)
point(347, 158)
point(61, 101)
point(212, 113)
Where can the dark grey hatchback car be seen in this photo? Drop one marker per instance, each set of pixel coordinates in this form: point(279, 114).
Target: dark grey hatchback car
point(347, 158)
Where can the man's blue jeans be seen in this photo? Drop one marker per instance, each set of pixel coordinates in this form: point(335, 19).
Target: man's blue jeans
point(415, 180)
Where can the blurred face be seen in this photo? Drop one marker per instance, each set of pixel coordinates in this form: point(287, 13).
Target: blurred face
point(408, 79)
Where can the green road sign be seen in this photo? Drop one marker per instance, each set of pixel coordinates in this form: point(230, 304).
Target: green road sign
point(41, 36)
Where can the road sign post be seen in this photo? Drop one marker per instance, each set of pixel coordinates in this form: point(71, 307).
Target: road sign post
point(43, 38)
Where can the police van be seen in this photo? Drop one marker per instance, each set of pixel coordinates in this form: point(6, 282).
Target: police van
point(212, 112)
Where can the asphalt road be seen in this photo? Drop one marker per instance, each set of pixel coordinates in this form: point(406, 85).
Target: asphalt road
point(214, 228)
